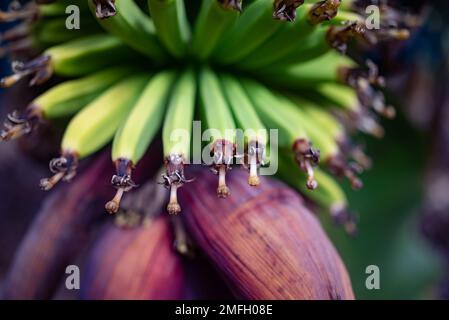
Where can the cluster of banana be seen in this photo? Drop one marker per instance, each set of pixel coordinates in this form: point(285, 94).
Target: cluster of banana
point(254, 66)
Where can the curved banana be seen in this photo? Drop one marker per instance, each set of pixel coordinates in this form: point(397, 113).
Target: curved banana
point(74, 58)
point(330, 67)
point(135, 135)
point(131, 25)
point(291, 36)
point(172, 26)
point(176, 136)
point(213, 20)
point(253, 27)
point(62, 100)
point(279, 113)
point(247, 119)
point(94, 127)
point(218, 116)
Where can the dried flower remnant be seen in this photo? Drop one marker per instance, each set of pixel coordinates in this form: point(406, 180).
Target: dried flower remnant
point(286, 9)
point(324, 11)
point(15, 33)
point(232, 4)
point(342, 217)
point(367, 82)
point(339, 166)
point(339, 36)
point(17, 125)
point(19, 12)
point(355, 152)
point(307, 157)
point(255, 158)
point(223, 152)
point(122, 182)
point(64, 168)
point(105, 8)
point(40, 69)
point(173, 179)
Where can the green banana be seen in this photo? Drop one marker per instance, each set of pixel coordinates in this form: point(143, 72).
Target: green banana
point(345, 98)
point(74, 58)
point(213, 20)
point(331, 67)
point(329, 146)
point(171, 24)
point(320, 41)
point(218, 116)
point(62, 100)
point(94, 127)
point(54, 31)
point(58, 8)
point(247, 119)
point(291, 36)
point(279, 113)
point(329, 196)
point(135, 28)
point(135, 135)
point(252, 28)
point(176, 136)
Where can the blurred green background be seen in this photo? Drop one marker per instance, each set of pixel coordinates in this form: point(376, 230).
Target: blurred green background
point(388, 209)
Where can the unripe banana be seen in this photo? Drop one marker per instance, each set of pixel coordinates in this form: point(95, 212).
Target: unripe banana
point(329, 196)
point(172, 26)
point(252, 28)
point(346, 99)
point(176, 136)
point(94, 127)
point(279, 113)
point(290, 36)
point(135, 135)
point(62, 100)
point(74, 58)
point(331, 152)
point(330, 67)
point(131, 25)
point(247, 119)
point(54, 31)
point(218, 116)
point(213, 20)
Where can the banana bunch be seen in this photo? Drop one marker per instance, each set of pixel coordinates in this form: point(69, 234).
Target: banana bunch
point(243, 68)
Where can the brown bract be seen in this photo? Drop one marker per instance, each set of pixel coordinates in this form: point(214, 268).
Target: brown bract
point(265, 242)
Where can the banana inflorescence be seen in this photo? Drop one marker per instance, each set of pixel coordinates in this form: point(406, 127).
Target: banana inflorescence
point(141, 67)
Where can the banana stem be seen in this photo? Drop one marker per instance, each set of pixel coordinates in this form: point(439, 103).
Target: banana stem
point(64, 168)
